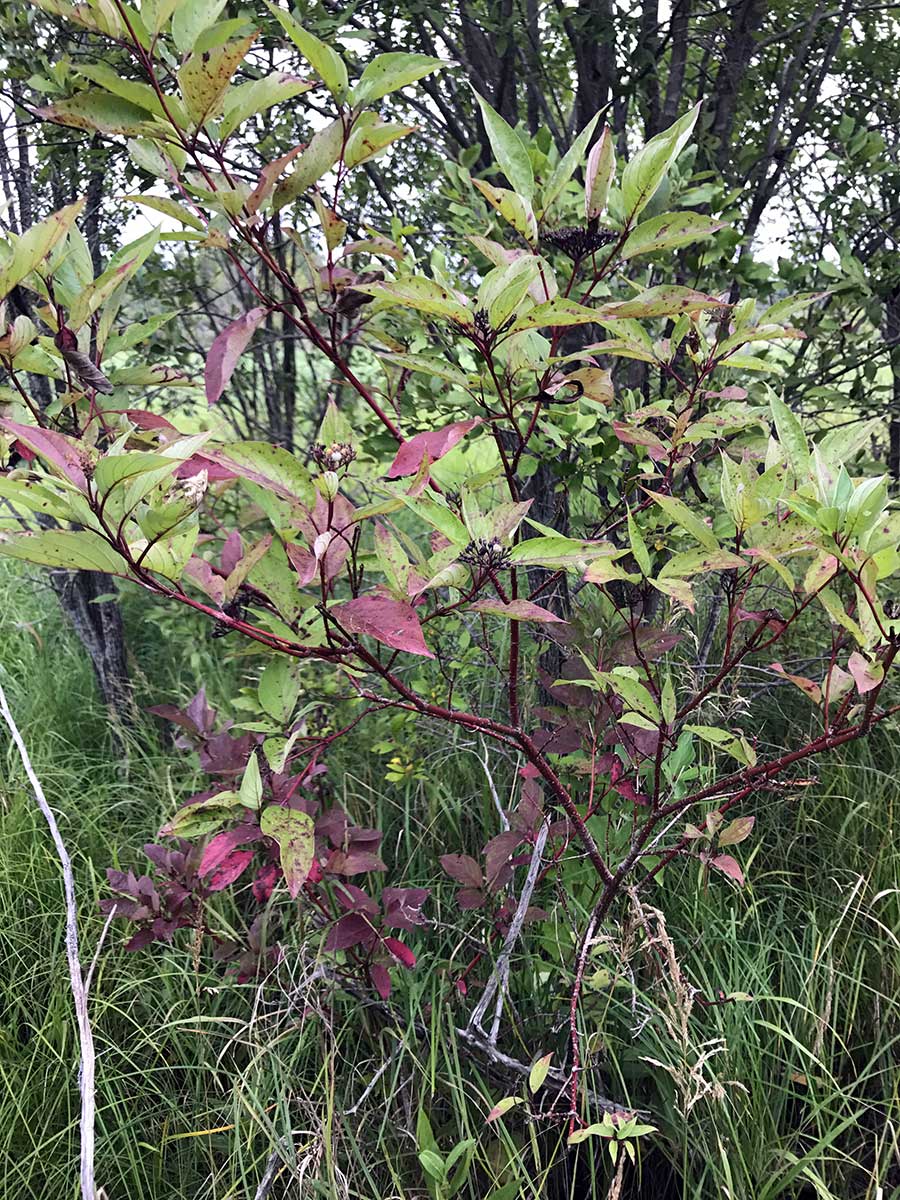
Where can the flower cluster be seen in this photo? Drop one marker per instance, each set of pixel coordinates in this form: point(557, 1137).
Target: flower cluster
point(486, 553)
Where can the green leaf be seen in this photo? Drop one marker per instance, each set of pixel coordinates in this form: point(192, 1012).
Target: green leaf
point(278, 689)
point(294, 831)
point(432, 1164)
point(502, 1107)
point(251, 788)
point(513, 207)
point(204, 78)
point(76, 550)
point(390, 72)
point(100, 112)
point(556, 313)
point(320, 155)
point(249, 99)
point(273, 466)
point(638, 545)
point(601, 170)
point(191, 18)
point(538, 1073)
point(367, 141)
point(170, 208)
point(677, 511)
point(698, 562)
point(428, 366)
point(560, 552)
point(668, 231)
point(792, 438)
point(122, 266)
point(567, 165)
point(326, 63)
point(644, 173)
point(509, 150)
point(421, 293)
point(664, 301)
point(35, 244)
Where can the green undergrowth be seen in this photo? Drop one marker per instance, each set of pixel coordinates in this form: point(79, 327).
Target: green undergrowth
point(790, 1092)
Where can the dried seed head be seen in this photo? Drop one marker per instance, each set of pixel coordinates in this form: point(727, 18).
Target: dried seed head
point(487, 553)
point(333, 457)
point(578, 241)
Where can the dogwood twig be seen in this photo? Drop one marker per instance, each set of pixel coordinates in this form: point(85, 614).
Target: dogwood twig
point(76, 975)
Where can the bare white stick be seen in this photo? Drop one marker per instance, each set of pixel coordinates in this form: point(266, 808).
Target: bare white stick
point(79, 992)
point(500, 976)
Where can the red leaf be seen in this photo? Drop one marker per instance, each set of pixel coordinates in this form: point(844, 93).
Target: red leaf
point(468, 898)
point(391, 622)
point(56, 448)
point(401, 952)
point(463, 869)
point(231, 868)
point(728, 866)
point(866, 675)
point(225, 351)
point(223, 844)
point(433, 442)
point(381, 979)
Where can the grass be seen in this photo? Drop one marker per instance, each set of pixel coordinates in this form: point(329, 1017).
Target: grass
point(793, 1094)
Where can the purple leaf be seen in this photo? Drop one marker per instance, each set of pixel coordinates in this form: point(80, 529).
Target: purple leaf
point(225, 351)
point(433, 442)
point(468, 898)
point(349, 931)
point(463, 869)
point(294, 832)
point(391, 622)
point(403, 907)
point(381, 978)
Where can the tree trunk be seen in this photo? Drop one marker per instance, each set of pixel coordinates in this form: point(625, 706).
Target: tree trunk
point(99, 628)
point(891, 332)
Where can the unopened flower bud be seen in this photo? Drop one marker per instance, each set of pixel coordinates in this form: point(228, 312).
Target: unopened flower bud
point(328, 484)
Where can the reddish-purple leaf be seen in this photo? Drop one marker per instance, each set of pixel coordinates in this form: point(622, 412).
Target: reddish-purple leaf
point(401, 952)
point(463, 869)
point(391, 622)
point(349, 931)
point(728, 866)
point(497, 853)
point(225, 351)
point(433, 442)
point(354, 862)
point(403, 907)
point(468, 898)
point(56, 448)
point(229, 869)
point(223, 844)
point(381, 978)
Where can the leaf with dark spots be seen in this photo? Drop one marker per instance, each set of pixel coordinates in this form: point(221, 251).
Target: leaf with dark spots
point(434, 443)
point(391, 622)
point(295, 834)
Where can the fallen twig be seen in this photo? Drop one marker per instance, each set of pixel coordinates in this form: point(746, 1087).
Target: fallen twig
point(76, 975)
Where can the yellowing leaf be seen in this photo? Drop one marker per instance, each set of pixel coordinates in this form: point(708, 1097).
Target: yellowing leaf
point(204, 78)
